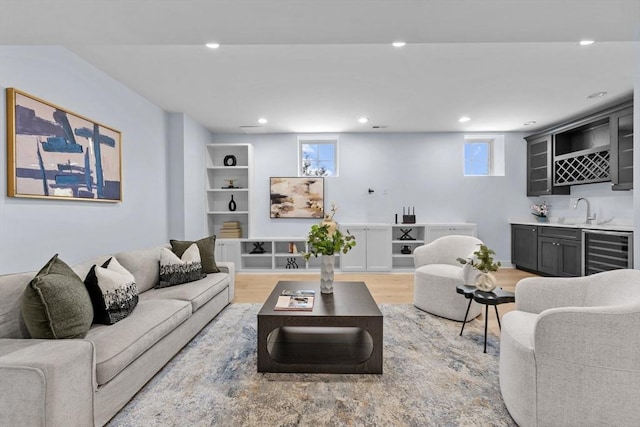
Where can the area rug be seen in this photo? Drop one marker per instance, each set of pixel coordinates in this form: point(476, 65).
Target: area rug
point(432, 377)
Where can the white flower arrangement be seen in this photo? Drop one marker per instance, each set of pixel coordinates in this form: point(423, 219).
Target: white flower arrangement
point(541, 210)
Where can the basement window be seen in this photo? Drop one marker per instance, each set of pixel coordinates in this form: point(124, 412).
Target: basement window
point(317, 156)
point(484, 155)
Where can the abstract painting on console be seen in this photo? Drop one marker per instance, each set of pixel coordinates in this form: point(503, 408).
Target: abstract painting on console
point(297, 197)
point(53, 153)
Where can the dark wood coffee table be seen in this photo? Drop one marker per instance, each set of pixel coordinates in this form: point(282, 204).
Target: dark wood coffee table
point(342, 335)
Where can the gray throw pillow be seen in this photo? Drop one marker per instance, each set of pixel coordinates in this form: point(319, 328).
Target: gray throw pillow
point(56, 304)
point(207, 252)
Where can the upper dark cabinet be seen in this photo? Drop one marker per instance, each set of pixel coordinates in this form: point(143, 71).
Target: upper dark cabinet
point(582, 154)
point(593, 148)
point(622, 150)
point(540, 167)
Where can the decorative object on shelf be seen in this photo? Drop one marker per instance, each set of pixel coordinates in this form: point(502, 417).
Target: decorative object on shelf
point(483, 262)
point(230, 160)
point(232, 204)
point(293, 249)
point(405, 250)
point(322, 242)
point(56, 154)
point(258, 248)
point(405, 234)
point(297, 197)
point(230, 182)
point(540, 211)
point(410, 216)
point(291, 263)
point(231, 230)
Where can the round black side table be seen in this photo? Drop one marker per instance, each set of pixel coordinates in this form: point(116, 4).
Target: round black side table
point(496, 297)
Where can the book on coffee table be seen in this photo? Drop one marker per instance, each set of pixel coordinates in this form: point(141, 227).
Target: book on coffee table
point(294, 303)
point(299, 293)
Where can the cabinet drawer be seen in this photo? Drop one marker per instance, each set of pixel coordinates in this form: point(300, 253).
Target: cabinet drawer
point(560, 232)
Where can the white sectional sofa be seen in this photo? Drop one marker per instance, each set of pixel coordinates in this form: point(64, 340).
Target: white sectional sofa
point(84, 382)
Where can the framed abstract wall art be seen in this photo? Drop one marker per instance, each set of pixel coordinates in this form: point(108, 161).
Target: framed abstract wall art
point(297, 197)
point(53, 153)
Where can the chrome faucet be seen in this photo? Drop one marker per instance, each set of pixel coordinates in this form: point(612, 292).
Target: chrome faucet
point(589, 217)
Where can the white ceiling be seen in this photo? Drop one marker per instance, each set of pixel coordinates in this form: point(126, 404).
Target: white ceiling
point(316, 66)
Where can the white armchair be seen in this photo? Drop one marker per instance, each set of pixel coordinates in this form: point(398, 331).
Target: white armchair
point(438, 273)
point(570, 352)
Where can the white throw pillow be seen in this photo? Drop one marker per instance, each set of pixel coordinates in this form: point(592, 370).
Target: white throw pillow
point(175, 270)
point(113, 292)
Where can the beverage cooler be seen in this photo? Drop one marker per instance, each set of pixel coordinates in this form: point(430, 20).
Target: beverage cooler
point(606, 250)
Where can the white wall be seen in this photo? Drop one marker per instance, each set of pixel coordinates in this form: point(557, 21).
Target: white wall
point(31, 231)
point(186, 164)
point(422, 170)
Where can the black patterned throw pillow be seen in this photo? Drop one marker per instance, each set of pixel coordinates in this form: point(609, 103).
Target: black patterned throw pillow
point(113, 292)
point(175, 271)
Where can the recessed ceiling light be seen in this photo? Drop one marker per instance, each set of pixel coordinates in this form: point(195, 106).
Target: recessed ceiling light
point(363, 120)
point(532, 122)
point(213, 45)
point(399, 43)
point(586, 42)
point(464, 119)
point(262, 120)
point(597, 95)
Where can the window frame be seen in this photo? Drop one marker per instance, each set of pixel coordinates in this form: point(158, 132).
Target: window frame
point(318, 140)
point(496, 156)
point(489, 157)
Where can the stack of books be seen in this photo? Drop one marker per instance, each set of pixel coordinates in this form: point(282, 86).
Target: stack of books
point(230, 230)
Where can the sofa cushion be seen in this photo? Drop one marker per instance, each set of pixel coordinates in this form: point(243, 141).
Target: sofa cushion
point(120, 344)
point(56, 304)
point(175, 271)
point(144, 264)
point(207, 248)
point(112, 290)
point(197, 293)
point(11, 320)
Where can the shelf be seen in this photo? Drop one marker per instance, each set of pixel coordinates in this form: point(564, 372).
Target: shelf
point(218, 177)
point(227, 190)
point(228, 212)
point(227, 167)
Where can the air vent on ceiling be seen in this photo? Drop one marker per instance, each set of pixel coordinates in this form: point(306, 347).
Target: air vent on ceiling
point(380, 126)
point(252, 129)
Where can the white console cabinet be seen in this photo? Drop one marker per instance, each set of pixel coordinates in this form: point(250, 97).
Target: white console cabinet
point(228, 250)
point(372, 251)
point(435, 231)
point(379, 248)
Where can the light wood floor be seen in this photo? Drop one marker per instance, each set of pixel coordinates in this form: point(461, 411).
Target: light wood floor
point(392, 288)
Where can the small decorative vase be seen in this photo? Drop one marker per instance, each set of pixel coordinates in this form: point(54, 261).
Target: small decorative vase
point(326, 273)
point(232, 204)
point(486, 282)
point(331, 226)
point(542, 219)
